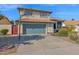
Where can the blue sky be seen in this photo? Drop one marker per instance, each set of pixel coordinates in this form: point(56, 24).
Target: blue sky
point(62, 11)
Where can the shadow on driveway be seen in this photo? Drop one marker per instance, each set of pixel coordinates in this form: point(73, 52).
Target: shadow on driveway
point(23, 40)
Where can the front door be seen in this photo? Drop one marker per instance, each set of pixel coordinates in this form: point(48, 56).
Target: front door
point(15, 29)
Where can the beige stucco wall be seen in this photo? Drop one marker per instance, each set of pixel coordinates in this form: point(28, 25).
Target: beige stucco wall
point(21, 29)
point(34, 16)
point(9, 27)
point(50, 28)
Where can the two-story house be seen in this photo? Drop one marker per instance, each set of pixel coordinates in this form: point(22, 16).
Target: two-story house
point(35, 21)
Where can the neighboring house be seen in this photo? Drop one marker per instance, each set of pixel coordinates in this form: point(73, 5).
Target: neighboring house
point(72, 22)
point(5, 23)
point(35, 21)
point(4, 20)
point(57, 24)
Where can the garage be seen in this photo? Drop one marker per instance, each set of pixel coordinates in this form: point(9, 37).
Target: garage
point(34, 28)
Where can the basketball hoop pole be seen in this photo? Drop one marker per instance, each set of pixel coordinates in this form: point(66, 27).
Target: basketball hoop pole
point(19, 25)
point(20, 15)
point(19, 30)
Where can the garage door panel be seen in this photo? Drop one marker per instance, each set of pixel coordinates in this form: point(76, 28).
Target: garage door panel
point(34, 28)
point(35, 31)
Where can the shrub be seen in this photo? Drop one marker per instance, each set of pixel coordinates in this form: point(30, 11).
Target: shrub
point(63, 32)
point(70, 28)
point(73, 36)
point(4, 31)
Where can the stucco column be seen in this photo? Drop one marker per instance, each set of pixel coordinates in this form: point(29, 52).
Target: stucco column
point(56, 26)
point(52, 28)
point(46, 28)
point(21, 29)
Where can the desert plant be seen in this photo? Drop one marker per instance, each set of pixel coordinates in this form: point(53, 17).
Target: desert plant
point(4, 31)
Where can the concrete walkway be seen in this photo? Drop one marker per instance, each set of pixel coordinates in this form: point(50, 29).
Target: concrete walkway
point(50, 45)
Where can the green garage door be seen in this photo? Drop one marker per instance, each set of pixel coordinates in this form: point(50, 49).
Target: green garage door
point(34, 28)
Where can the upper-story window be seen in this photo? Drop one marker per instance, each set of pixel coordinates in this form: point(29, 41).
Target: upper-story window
point(43, 14)
point(28, 13)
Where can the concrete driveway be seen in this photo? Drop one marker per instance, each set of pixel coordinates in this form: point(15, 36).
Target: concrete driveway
point(48, 45)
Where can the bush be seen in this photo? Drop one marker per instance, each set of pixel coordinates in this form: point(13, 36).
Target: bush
point(73, 36)
point(63, 33)
point(4, 31)
point(70, 28)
